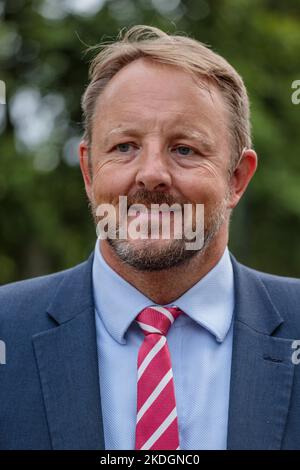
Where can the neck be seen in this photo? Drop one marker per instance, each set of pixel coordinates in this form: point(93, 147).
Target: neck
point(165, 286)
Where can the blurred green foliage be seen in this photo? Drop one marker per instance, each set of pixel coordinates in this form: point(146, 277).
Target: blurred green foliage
point(45, 221)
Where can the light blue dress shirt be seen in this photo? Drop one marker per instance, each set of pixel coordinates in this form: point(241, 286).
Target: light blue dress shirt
point(200, 345)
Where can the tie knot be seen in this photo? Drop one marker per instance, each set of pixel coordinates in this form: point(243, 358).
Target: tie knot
point(156, 319)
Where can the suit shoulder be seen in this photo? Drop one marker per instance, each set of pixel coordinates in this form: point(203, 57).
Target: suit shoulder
point(284, 293)
point(276, 282)
point(30, 294)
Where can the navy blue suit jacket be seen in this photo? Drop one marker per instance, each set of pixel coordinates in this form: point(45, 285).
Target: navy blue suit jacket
point(49, 386)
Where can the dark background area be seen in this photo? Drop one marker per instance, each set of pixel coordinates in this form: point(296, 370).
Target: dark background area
point(45, 222)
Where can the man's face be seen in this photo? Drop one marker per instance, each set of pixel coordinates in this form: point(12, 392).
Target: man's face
point(160, 136)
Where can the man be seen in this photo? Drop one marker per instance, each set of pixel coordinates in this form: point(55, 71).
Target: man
point(149, 344)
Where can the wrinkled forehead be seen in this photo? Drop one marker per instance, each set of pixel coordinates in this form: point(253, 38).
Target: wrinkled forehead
point(143, 76)
point(160, 96)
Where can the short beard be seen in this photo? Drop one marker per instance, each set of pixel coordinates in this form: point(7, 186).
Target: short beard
point(148, 257)
point(145, 255)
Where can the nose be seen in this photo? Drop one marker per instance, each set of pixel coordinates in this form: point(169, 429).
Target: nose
point(154, 170)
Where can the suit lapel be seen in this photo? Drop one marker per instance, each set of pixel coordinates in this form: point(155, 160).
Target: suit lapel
point(261, 371)
point(67, 361)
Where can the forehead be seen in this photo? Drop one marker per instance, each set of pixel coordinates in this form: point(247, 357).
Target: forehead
point(161, 97)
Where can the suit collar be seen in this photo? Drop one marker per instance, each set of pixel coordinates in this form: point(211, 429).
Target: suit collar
point(252, 301)
point(251, 295)
point(74, 294)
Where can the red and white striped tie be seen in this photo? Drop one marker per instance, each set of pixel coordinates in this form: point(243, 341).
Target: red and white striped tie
point(156, 424)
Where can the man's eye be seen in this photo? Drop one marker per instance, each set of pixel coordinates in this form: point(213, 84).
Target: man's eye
point(123, 148)
point(184, 150)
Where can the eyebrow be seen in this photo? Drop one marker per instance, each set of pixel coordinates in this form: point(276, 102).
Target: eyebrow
point(181, 133)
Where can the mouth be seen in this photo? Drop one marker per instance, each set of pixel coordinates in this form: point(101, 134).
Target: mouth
point(166, 221)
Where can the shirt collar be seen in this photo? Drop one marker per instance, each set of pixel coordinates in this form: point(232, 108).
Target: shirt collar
point(209, 302)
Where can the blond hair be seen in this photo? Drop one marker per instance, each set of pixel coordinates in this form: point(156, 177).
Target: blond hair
point(188, 54)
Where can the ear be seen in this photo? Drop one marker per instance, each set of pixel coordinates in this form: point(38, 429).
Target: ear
point(242, 175)
point(85, 167)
